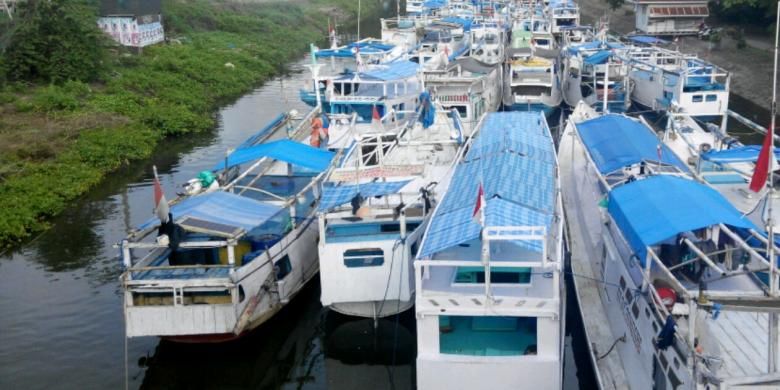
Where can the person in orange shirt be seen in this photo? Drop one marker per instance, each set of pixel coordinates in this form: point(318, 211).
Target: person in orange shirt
point(318, 132)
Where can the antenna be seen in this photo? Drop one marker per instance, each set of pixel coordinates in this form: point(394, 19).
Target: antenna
point(770, 250)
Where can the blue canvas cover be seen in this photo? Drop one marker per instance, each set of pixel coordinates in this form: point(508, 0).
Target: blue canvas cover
point(514, 158)
point(658, 208)
point(616, 141)
point(747, 153)
point(286, 150)
point(338, 195)
point(598, 58)
point(647, 40)
point(367, 47)
point(396, 70)
point(593, 45)
point(223, 208)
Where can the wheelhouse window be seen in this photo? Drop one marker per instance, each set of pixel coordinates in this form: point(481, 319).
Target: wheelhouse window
point(364, 257)
point(487, 336)
point(498, 275)
point(711, 98)
point(697, 98)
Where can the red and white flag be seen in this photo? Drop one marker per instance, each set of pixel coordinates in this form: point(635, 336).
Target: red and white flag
point(765, 157)
point(160, 203)
point(376, 120)
point(478, 215)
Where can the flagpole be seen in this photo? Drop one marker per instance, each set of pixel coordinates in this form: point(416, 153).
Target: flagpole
point(773, 317)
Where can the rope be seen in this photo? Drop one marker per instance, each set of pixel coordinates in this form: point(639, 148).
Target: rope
point(621, 338)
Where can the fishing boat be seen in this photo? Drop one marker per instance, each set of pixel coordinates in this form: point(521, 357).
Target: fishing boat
point(490, 292)
point(592, 65)
point(562, 14)
point(350, 99)
point(674, 287)
point(344, 62)
point(533, 79)
point(234, 250)
point(374, 210)
point(443, 40)
point(401, 30)
point(532, 32)
point(667, 80)
point(488, 41)
point(468, 87)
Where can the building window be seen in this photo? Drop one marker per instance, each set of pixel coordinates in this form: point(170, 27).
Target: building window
point(364, 257)
point(487, 336)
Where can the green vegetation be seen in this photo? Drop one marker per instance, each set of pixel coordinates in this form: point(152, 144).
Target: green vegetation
point(62, 128)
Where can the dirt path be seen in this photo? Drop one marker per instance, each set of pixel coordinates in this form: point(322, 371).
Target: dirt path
point(751, 67)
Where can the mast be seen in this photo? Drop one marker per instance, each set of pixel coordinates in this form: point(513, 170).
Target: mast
point(773, 316)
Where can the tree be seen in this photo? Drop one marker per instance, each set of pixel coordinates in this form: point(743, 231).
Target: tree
point(615, 4)
point(55, 41)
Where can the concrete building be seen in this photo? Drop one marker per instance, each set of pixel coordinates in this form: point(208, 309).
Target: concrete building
point(670, 17)
point(133, 23)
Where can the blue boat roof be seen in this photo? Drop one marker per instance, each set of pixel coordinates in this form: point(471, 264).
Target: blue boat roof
point(366, 47)
point(647, 40)
point(599, 57)
point(335, 196)
point(514, 158)
point(286, 150)
point(466, 23)
point(616, 141)
point(223, 208)
point(747, 153)
point(389, 71)
point(592, 45)
point(658, 208)
point(435, 4)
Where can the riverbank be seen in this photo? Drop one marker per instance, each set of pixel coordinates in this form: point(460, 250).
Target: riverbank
point(56, 142)
point(751, 67)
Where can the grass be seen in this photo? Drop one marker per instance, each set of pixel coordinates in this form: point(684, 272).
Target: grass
point(58, 141)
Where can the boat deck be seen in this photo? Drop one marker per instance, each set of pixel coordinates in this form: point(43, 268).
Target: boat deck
point(743, 341)
point(610, 372)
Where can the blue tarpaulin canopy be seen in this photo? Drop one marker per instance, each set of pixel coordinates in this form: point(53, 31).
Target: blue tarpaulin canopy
point(466, 23)
point(339, 195)
point(222, 208)
point(595, 45)
point(648, 40)
point(747, 153)
point(366, 47)
point(514, 159)
point(286, 150)
point(389, 71)
point(599, 57)
point(434, 4)
point(658, 208)
point(616, 141)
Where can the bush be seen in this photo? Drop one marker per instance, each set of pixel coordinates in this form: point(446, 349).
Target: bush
point(53, 98)
point(55, 41)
